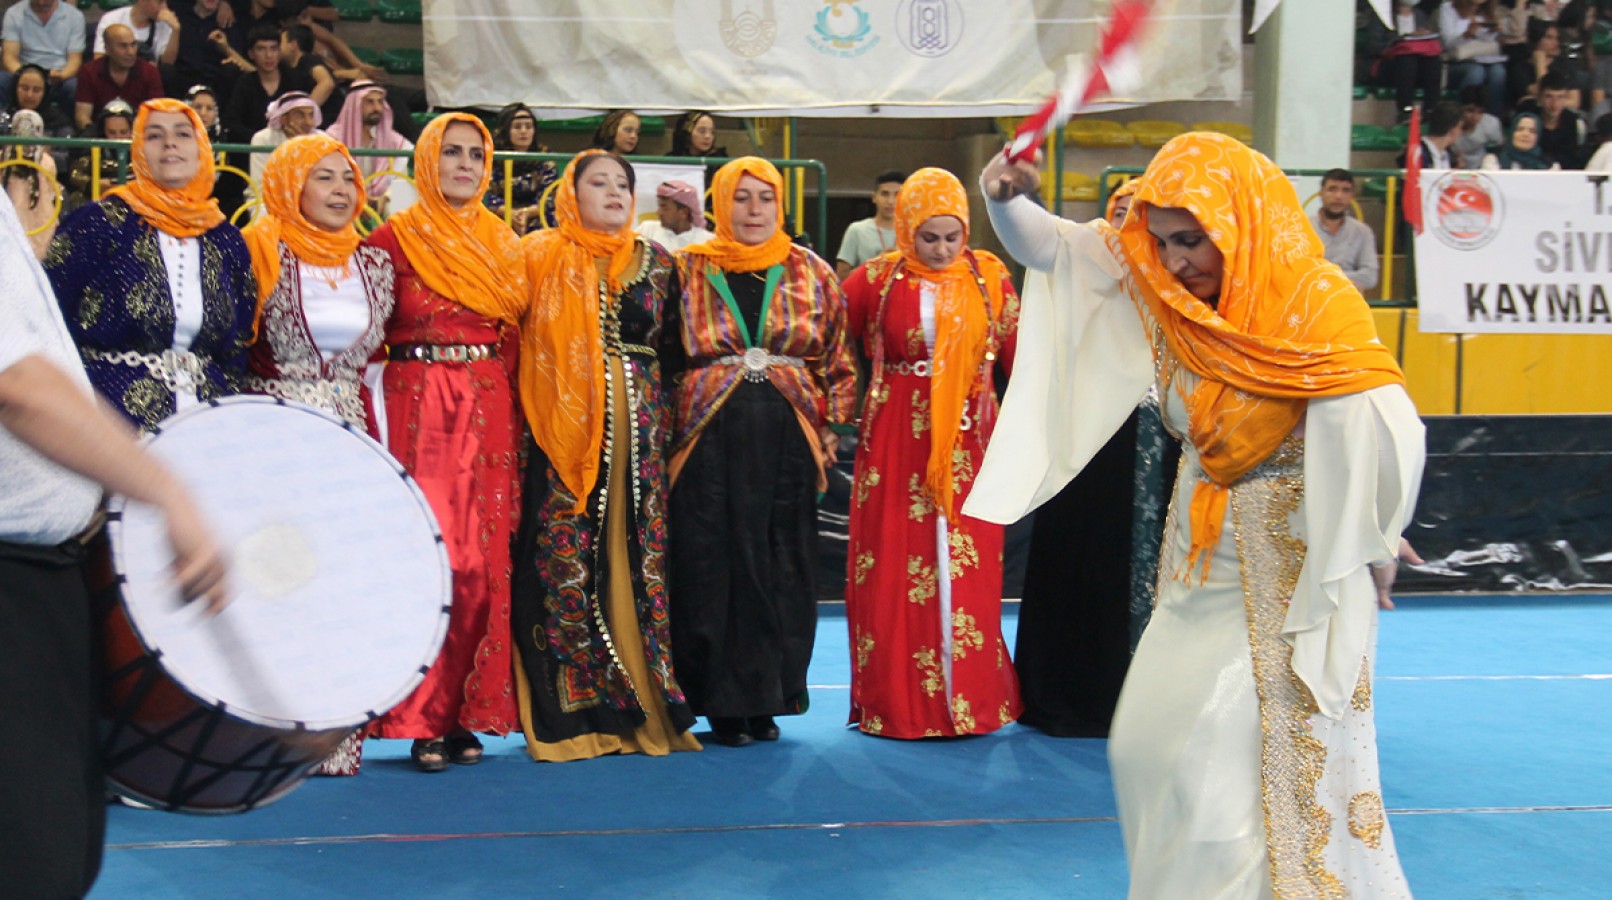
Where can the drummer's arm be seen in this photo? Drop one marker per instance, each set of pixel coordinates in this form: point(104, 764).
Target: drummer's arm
point(54, 415)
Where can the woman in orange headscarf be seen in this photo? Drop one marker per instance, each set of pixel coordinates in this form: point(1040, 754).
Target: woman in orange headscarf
point(924, 583)
point(1243, 746)
point(323, 300)
point(155, 286)
point(769, 370)
point(449, 416)
point(590, 610)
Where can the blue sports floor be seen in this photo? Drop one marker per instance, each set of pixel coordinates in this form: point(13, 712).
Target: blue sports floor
point(1493, 716)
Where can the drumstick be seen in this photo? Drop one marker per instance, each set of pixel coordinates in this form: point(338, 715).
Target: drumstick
point(1115, 66)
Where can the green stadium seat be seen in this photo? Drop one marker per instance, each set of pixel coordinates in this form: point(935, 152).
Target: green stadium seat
point(354, 10)
point(399, 12)
point(403, 61)
point(369, 56)
point(587, 124)
point(110, 5)
point(1602, 41)
point(1361, 92)
point(1364, 137)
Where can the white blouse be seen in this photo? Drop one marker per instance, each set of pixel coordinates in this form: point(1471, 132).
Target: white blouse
point(182, 259)
point(335, 307)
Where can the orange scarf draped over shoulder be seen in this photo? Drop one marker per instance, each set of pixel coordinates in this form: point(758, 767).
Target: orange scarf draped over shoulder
point(183, 212)
point(966, 305)
point(724, 250)
point(1287, 326)
point(466, 254)
point(285, 174)
point(562, 369)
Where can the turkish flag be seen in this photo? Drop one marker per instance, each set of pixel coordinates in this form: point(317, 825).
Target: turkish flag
point(1413, 172)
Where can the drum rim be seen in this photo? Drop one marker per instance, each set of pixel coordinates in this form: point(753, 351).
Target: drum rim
point(116, 503)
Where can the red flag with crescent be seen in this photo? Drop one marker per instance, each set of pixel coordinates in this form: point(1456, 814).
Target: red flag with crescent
point(1413, 172)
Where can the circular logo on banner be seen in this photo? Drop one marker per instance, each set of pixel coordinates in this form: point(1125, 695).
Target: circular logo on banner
point(929, 27)
point(1467, 210)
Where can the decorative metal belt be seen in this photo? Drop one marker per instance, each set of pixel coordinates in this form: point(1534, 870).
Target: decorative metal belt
point(460, 353)
point(755, 362)
point(166, 366)
point(923, 368)
point(340, 397)
point(640, 350)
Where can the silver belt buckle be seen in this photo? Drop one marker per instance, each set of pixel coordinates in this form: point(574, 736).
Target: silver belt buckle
point(755, 362)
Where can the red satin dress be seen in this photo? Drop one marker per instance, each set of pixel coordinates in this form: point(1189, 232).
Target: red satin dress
point(454, 426)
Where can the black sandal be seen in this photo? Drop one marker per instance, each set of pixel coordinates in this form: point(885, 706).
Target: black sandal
point(463, 749)
point(429, 756)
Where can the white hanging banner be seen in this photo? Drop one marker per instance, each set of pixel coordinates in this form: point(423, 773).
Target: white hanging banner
point(927, 58)
point(1515, 253)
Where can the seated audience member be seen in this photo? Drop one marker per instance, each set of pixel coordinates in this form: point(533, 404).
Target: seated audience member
point(1521, 149)
point(293, 114)
point(1439, 131)
point(119, 75)
point(1561, 130)
point(1546, 58)
point(680, 220)
point(246, 112)
point(1472, 50)
point(296, 51)
point(229, 188)
point(516, 130)
point(1410, 57)
point(1477, 132)
point(1602, 160)
point(694, 134)
point(205, 52)
point(155, 28)
point(365, 123)
point(115, 122)
point(28, 92)
point(867, 238)
point(32, 190)
point(1349, 243)
point(48, 34)
point(618, 133)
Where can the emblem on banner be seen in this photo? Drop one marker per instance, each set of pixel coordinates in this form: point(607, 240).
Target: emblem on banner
point(929, 27)
point(749, 33)
point(842, 29)
point(1467, 210)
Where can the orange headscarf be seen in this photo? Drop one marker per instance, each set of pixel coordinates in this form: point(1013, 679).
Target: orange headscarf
point(725, 251)
point(284, 176)
point(467, 254)
point(182, 212)
point(562, 352)
point(962, 321)
point(1288, 325)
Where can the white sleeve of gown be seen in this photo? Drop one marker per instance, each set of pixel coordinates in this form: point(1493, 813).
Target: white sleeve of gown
point(375, 380)
point(1363, 456)
point(1083, 361)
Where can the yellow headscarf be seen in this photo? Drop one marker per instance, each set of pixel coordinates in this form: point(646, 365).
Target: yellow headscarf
point(467, 254)
point(1288, 325)
point(285, 174)
point(724, 250)
point(962, 320)
point(183, 212)
point(562, 372)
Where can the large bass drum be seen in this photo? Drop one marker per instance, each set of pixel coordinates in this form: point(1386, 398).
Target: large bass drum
point(341, 590)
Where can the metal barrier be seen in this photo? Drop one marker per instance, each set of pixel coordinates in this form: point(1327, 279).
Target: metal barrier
point(794, 200)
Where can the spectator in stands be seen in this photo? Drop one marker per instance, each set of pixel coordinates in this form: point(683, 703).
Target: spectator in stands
point(1472, 48)
point(246, 112)
point(205, 52)
point(867, 238)
point(296, 51)
point(205, 102)
point(618, 133)
point(516, 130)
point(1439, 131)
point(48, 34)
point(1521, 149)
point(119, 75)
point(322, 12)
point(1562, 131)
point(1410, 59)
point(32, 190)
point(694, 134)
point(294, 114)
point(1546, 57)
point(155, 28)
point(1478, 131)
point(365, 123)
point(680, 219)
point(1349, 243)
point(1602, 160)
point(115, 122)
point(28, 91)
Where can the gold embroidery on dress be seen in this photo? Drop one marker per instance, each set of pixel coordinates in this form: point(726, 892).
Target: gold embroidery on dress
point(868, 481)
point(918, 496)
point(1362, 697)
point(147, 400)
point(116, 213)
point(923, 582)
point(1292, 759)
point(963, 554)
point(917, 347)
point(962, 713)
point(962, 470)
point(874, 725)
point(60, 250)
point(91, 303)
point(1366, 818)
point(920, 415)
point(929, 667)
point(1005, 714)
point(933, 732)
point(864, 565)
point(864, 648)
point(965, 635)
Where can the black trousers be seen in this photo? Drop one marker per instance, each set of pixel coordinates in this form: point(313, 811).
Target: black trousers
point(52, 802)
